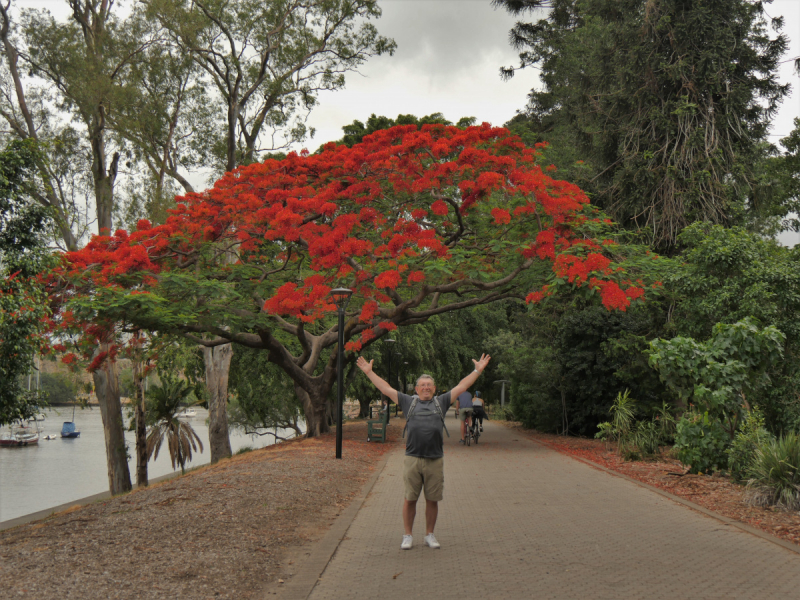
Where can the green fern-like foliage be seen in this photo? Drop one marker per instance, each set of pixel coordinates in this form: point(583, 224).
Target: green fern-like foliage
point(775, 474)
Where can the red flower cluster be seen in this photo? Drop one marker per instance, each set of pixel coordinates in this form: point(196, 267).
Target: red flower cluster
point(388, 212)
point(577, 270)
point(308, 302)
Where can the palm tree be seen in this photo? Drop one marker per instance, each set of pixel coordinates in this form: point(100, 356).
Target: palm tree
point(165, 402)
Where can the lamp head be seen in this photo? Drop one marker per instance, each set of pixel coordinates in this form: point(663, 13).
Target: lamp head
point(341, 296)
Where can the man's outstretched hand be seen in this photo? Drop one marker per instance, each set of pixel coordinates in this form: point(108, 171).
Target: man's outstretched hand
point(365, 366)
point(480, 365)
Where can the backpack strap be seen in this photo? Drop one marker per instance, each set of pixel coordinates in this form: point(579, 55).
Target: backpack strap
point(441, 414)
point(414, 405)
point(410, 412)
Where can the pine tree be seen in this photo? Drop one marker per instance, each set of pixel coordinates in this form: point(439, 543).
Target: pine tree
point(667, 101)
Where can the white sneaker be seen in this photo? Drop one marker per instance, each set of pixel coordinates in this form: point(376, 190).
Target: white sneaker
point(407, 541)
point(430, 541)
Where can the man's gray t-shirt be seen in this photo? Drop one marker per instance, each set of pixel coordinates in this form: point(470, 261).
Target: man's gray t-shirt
point(424, 437)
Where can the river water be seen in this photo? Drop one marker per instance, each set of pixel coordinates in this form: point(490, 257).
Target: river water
point(58, 471)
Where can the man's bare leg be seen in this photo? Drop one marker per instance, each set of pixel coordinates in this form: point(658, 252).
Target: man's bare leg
point(431, 512)
point(409, 512)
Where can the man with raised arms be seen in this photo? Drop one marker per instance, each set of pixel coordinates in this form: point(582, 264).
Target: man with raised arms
point(423, 467)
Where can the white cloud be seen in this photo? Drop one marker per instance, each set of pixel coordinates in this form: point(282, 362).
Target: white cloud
point(448, 60)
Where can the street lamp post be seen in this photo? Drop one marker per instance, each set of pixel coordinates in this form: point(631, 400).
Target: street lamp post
point(340, 297)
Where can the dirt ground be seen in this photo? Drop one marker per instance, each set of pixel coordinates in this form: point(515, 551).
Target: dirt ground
point(223, 531)
point(714, 492)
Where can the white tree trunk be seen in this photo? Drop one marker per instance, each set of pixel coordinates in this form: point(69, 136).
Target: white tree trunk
point(106, 386)
point(218, 364)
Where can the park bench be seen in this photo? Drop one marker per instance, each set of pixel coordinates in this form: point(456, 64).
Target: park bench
point(376, 428)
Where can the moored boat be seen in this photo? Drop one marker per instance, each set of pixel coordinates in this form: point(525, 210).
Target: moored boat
point(19, 436)
point(68, 430)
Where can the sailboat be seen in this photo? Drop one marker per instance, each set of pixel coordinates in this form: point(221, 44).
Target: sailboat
point(20, 435)
point(68, 428)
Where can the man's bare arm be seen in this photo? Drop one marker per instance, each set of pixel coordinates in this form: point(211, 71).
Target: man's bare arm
point(383, 386)
point(469, 380)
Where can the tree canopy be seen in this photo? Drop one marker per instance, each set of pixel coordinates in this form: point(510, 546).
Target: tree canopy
point(22, 256)
point(418, 222)
point(354, 132)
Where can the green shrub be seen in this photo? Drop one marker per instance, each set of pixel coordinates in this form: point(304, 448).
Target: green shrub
point(775, 473)
point(622, 411)
point(700, 442)
point(500, 413)
point(605, 432)
point(750, 436)
point(646, 439)
point(666, 423)
point(635, 440)
point(536, 408)
point(245, 449)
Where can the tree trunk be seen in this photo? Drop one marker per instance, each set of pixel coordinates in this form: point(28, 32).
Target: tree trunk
point(233, 115)
point(315, 408)
point(141, 432)
point(364, 407)
point(218, 364)
point(106, 386)
point(104, 191)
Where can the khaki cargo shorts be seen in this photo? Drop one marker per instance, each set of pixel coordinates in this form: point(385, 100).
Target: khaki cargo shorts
point(419, 473)
point(463, 413)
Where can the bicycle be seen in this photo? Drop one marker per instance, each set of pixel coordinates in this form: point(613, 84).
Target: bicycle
point(469, 434)
point(474, 430)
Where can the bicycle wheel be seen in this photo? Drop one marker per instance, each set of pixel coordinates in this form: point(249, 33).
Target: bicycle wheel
point(475, 433)
point(468, 436)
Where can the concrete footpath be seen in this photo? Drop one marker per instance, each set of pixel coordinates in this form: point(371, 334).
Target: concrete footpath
point(520, 520)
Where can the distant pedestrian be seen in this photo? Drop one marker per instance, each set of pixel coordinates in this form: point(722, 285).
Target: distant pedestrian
point(424, 462)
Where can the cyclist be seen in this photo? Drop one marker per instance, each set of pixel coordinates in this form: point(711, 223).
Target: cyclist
point(464, 411)
point(478, 411)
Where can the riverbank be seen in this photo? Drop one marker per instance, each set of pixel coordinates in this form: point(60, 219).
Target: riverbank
point(56, 472)
point(228, 530)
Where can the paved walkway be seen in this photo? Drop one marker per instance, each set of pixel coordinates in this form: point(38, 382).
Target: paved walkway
point(520, 520)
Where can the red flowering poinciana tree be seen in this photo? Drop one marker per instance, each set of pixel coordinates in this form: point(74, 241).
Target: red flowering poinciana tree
point(416, 222)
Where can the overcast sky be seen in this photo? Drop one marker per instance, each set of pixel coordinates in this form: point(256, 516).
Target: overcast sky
point(448, 58)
